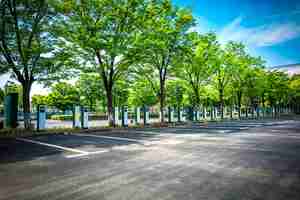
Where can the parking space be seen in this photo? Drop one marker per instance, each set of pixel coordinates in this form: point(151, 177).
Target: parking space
point(81, 142)
point(228, 160)
point(67, 146)
point(12, 150)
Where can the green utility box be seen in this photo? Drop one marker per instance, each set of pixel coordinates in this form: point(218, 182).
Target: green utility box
point(11, 110)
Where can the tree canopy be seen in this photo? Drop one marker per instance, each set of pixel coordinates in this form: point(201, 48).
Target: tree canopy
point(131, 52)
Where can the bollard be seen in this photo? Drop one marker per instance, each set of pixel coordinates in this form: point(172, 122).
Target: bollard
point(41, 117)
point(11, 110)
point(116, 116)
point(137, 115)
point(146, 115)
point(124, 116)
point(76, 117)
point(198, 115)
point(84, 118)
point(195, 115)
point(170, 114)
point(179, 117)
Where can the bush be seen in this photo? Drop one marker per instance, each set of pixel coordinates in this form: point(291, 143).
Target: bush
point(61, 117)
point(98, 117)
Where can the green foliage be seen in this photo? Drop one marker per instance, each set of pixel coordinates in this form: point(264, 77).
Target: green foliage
point(105, 30)
point(294, 89)
point(162, 39)
point(62, 117)
point(277, 91)
point(121, 93)
point(141, 94)
point(129, 52)
point(90, 89)
point(196, 63)
point(175, 92)
point(210, 95)
point(27, 46)
point(64, 96)
point(39, 100)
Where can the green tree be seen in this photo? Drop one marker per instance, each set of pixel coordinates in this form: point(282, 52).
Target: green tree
point(175, 92)
point(100, 34)
point(163, 37)
point(294, 88)
point(254, 83)
point(39, 100)
point(141, 94)
point(209, 96)
point(195, 65)
point(27, 45)
point(277, 93)
point(262, 86)
point(90, 89)
point(242, 70)
point(64, 96)
point(239, 70)
point(121, 93)
point(222, 75)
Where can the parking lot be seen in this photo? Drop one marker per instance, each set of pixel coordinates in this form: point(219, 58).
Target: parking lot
point(228, 160)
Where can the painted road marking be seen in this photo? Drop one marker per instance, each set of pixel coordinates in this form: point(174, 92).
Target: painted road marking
point(79, 152)
point(113, 138)
point(53, 146)
point(86, 154)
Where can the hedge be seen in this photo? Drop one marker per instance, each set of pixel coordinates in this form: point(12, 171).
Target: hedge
point(61, 117)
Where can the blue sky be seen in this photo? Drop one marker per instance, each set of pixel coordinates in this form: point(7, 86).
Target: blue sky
point(270, 29)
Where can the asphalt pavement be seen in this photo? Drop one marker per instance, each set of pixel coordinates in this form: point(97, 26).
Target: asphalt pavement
point(228, 161)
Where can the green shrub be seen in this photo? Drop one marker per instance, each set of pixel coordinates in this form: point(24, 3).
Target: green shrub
point(61, 117)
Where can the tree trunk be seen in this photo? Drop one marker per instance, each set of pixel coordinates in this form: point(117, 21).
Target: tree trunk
point(222, 103)
point(109, 98)
point(91, 105)
point(162, 110)
point(197, 95)
point(162, 98)
point(178, 114)
point(26, 86)
point(239, 96)
point(263, 106)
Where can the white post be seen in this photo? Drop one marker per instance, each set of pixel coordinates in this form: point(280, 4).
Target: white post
point(137, 115)
point(116, 115)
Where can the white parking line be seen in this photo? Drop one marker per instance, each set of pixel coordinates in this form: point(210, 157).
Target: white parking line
point(53, 146)
point(81, 153)
point(86, 154)
point(113, 138)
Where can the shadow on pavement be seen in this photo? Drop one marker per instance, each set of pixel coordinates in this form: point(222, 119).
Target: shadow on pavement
point(12, 150)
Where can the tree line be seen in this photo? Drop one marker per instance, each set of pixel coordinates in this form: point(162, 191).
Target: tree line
point(138, 52)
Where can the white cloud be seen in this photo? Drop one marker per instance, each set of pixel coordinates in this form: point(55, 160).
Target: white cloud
point(290, 69)
point(266, 35)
